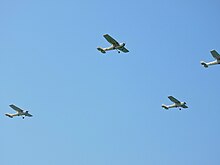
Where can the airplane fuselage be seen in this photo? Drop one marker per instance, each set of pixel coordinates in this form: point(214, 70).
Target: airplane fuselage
point(112, 47)
point(175, 105)
point(206, 64)
point(215, 55)
point(18, 114)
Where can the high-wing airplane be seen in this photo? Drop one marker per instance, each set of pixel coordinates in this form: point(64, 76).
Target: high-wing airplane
point(19, 112)
point(216, 56)
point(115, 45)
point(176, 104)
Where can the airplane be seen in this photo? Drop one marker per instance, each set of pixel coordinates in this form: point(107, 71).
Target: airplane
point(19, 112)
point(216, 56)
point(115, 45)
point(176, 104)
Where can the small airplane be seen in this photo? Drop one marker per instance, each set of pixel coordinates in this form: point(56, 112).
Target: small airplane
point(216, 56)
point(115, 45)
point(176, 104)
point(19, 111)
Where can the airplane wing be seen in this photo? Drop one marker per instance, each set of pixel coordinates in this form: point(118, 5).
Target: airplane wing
point(111, 40)
point(123, 49)
point(173, 99)
point(16, 108)
point(215, 54)
point(29, 115)
point(184, 106)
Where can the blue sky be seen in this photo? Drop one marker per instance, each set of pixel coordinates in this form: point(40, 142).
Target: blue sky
point(95, 109)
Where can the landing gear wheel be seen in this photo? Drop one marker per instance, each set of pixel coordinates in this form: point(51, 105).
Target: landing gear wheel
point(180, 109)
point(22, 117)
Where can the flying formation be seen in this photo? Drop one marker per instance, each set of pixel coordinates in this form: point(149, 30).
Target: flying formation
point(176, 104)
point(19, 112)
point(216, 56)
point(114, 45)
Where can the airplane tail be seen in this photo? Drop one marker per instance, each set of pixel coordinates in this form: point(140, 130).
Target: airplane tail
point(101, 50)
point(204, 64)
point(8, 115)
point(165, 107)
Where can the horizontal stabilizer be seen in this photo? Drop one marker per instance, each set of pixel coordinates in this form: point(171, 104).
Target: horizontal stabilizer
point(101, 50)
point(164, 106)
point(8, 115)
point(204, 64)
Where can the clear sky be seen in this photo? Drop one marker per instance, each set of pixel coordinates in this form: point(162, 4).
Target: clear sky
point(95, 109)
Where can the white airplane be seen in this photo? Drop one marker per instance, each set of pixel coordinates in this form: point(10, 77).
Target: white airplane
point(216, 56)
point(115, 45)
point(176, 104)
point(19, 111)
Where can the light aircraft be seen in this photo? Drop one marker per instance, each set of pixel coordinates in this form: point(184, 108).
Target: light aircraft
point(115, 45)
point(176, 104)
point(19, 112)
point(216, 56)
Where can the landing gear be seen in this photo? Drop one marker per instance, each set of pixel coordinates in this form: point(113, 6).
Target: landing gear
point(180, 109)
point(118, 51)
point(23, 117)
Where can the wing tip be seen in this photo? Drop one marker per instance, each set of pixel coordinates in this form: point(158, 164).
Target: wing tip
point(106, 34)
point(214, 51)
